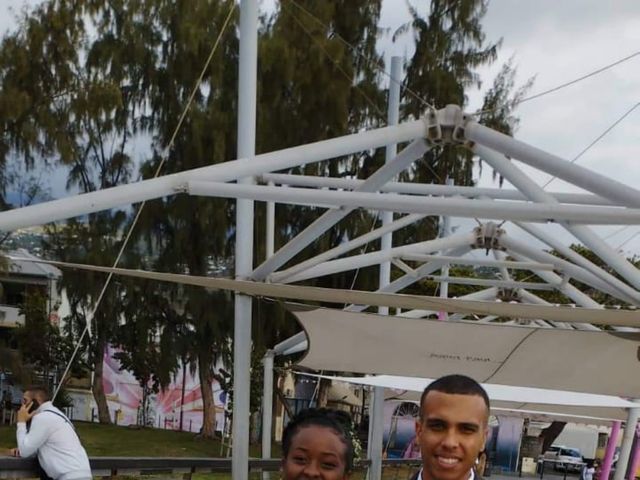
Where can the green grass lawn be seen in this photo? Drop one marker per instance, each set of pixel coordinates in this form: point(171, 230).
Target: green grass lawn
point(111, 441)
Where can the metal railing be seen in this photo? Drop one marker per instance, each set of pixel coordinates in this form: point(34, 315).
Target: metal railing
point(134, 466)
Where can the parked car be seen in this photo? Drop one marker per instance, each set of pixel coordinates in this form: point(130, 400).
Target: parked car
point(564, 457)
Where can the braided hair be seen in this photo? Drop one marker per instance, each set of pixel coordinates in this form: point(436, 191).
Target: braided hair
point(336, 420)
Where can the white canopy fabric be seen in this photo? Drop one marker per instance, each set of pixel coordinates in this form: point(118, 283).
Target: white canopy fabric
point(599, 362)
point(536, 403)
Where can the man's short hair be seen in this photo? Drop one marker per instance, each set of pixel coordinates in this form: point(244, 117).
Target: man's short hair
point(455, 385)
point(39, 391)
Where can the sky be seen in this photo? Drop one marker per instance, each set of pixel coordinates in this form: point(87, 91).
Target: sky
point(555, 42)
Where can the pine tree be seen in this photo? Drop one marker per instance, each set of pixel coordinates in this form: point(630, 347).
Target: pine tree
point(450, 46)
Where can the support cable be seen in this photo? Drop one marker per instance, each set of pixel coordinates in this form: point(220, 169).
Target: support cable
point(563, 85)
point(579, 79)
point(599, 137)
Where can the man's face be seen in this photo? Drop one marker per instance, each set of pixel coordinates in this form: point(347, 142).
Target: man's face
point(27, 397)
point(451, 433)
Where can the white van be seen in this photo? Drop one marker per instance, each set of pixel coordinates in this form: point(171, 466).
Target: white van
point(564, 457)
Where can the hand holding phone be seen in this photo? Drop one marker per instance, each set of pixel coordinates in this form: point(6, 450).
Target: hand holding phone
point(34, 406)
point(26, 411)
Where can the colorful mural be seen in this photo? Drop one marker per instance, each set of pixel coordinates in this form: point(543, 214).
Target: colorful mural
point(124, 396)
point(507, 444)
point(400, 430)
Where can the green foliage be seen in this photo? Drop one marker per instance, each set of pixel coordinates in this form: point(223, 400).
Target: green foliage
point(314, 87)
point(81, 82)
point(42, 348)
point(63, 399)
point(450, 47)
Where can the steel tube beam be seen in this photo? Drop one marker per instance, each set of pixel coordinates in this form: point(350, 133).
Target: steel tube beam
point(627, 442)
point(267, 405)
point(479, 262)
point(487, 294)
point(564, 287)
point(376, 414)
point(223, 172)
point(570, 291)
point(499, 256)
point(374, 258)
point(281, 276)
point(529, 297)
point(444, 271)
point(574, 271)
point(247, 91)
point(406, 280)
point(608, 282)
point(535, 193)
point(428, 189)
point(348, 201)
point(386, 241)
point(582, 177)
point(487, 282)
point(488, 319)
point(400, 163)
point(271, 227)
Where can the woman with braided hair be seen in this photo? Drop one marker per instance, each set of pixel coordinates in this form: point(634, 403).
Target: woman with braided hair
point(317, 443)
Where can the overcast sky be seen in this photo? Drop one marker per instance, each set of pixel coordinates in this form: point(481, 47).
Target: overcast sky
point(555, 41)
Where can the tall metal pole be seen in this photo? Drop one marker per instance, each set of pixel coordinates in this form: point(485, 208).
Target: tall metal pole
point(244, 239)
point(634, 463)
point(444, 286)
point(376, 413)
point(610, 451)
point(627, 442)
point(267, 406)
point(271, 226)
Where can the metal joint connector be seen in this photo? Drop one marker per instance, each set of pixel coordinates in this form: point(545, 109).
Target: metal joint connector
point(488, 237)
point(446, 126)
point(182, 188)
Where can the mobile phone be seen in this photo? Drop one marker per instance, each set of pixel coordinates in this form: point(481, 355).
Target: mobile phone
point(34, 406)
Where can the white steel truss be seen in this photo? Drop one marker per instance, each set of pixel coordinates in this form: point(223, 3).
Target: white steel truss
point(606, 202)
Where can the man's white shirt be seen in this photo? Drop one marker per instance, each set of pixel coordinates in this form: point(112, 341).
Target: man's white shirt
point(51, 436)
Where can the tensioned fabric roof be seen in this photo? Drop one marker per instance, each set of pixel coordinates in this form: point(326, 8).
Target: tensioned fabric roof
point(533, 403)
point(537, 403)
point(569, 360)
point(581, 361)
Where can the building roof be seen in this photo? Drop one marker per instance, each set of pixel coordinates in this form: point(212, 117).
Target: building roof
point(30, 268)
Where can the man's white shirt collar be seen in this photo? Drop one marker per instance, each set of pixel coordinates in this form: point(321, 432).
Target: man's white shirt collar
point(472, 475)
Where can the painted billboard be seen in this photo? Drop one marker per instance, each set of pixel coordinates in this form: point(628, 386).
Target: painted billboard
point(164, 409)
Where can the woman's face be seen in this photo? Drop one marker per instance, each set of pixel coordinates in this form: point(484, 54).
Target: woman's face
point(315, 452)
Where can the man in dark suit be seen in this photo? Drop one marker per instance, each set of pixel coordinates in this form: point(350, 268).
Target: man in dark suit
point(452, 428)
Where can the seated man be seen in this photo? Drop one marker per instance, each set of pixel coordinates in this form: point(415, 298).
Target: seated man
point(452, 428)
point(51, 436)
